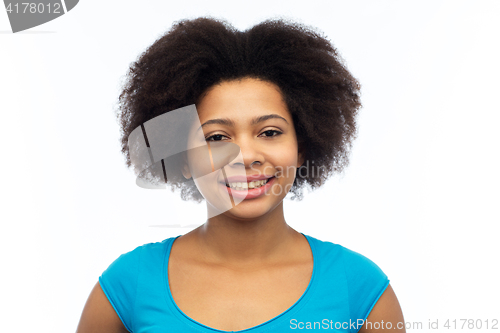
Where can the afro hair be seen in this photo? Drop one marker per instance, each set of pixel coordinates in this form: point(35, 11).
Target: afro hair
point(321, 94)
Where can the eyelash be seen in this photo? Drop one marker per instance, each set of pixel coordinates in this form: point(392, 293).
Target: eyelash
point(275, 131)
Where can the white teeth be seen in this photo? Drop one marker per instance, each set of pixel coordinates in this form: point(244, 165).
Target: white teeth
point(239, 186)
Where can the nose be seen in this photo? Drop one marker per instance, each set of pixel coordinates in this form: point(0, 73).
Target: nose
point(251, 152)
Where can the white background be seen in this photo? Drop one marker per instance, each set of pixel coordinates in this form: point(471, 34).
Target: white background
point(420, 197)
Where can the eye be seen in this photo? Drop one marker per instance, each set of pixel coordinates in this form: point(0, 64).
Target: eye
point(215, 137)
point(271, 133)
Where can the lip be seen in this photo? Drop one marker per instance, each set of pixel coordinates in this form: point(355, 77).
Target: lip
point(250, 193)
point(248, 179)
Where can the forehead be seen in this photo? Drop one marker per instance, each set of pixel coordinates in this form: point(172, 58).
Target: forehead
point(242, 100)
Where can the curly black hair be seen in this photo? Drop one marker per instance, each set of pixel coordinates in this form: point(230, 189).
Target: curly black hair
point(321, 94)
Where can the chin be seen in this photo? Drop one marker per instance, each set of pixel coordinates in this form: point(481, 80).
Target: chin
point(251, 210)
point(246, 215)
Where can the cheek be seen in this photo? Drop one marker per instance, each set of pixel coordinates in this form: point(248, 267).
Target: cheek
point(285, 159)
point(199, 161)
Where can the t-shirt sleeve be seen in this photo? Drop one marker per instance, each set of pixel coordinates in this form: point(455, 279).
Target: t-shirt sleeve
point(366, 282)
point(119, 283)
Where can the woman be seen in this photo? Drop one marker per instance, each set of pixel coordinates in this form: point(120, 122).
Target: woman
point(280, 92)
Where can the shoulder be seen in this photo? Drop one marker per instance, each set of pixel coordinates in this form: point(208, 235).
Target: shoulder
point(125, 268)
point(364, 280)
point(119, 281)
point(129, 261)
point(357, 264)
point(353, 262)
point(147, 250)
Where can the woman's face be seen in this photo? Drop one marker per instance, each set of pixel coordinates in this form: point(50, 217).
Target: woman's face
point(251, 114)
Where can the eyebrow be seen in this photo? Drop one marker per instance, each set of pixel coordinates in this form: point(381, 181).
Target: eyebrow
point(229, 122)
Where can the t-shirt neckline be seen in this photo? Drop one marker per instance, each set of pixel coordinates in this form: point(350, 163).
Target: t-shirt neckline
point(258, 328)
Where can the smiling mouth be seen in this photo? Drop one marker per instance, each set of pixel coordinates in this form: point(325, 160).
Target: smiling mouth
point(240, 186)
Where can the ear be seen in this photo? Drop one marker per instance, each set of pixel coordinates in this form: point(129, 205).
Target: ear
point(301, 154)
point(185, 171)
point(185, 168)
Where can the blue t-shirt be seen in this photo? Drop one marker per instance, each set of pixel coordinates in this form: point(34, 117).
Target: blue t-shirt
point(341, 293)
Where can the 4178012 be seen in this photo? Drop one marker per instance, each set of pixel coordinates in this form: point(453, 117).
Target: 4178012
point(471, 324)
point(34, 8)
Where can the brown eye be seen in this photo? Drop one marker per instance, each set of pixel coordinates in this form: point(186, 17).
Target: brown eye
point(215, 137)
point(270, 133)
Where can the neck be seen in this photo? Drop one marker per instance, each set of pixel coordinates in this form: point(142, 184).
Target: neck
point(230, 240)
